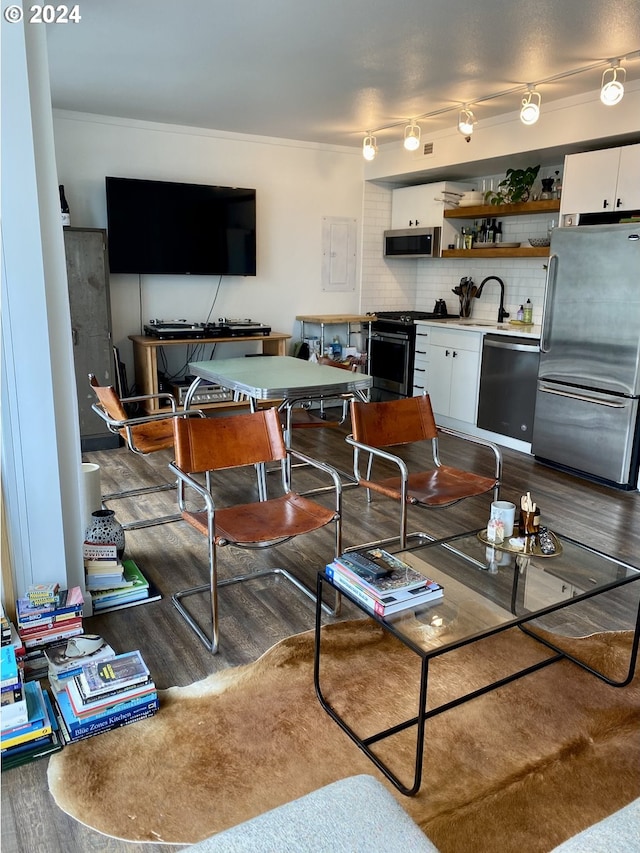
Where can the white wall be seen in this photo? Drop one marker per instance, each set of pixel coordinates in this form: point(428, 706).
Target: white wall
point(297, 184)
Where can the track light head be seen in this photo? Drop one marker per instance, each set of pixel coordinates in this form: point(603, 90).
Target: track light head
point(412, 136)
point(530, 110)
point(612, 89)
point(466, 121)
point(369, 147)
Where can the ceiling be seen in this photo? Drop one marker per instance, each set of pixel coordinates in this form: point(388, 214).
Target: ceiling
point(328, 72)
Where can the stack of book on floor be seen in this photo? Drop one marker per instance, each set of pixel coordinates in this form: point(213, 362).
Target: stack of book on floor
point(103, 568)
point(105, 695)
point(67, 659)
point(28, 729)
point(111, 583)
point(43, 624)
point(381, 582)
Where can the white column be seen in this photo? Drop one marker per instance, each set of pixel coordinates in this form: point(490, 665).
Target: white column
point(41, 459)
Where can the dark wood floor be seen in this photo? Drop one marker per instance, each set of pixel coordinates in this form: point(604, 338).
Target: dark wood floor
point(252, 619)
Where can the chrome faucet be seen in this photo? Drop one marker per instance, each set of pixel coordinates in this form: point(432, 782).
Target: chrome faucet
point(501, 312)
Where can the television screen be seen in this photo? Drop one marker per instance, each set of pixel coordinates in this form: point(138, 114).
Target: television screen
point(163, 227)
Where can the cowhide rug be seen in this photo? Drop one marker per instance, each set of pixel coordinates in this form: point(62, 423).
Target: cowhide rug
point(519, 769)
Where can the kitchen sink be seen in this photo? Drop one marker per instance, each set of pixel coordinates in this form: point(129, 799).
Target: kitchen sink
point(467, 321)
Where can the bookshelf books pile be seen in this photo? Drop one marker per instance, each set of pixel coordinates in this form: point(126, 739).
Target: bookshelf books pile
point(67, 659)
point(111, 583)
point(381, 582)
point(41, 625)
point(37, 734)
point(105, 695)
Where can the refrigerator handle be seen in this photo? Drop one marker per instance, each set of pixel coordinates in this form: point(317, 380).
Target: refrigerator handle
point(549, 288)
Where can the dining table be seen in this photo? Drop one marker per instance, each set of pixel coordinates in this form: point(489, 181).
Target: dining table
point(285, 380)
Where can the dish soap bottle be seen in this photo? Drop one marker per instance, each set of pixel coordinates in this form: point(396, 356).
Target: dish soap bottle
point(520, 314)
point(528, 312)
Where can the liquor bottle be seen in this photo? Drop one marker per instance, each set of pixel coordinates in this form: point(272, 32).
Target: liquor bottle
point(64, 207)
point(497, 237)
point(557, 186)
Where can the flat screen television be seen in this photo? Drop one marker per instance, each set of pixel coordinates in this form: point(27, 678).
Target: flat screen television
point(162, 227)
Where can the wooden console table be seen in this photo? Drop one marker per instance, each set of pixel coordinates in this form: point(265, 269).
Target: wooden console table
point(145, 357)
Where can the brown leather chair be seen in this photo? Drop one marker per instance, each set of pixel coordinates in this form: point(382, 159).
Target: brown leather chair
point(142, 435)
point(215, 444)
point(379, 426)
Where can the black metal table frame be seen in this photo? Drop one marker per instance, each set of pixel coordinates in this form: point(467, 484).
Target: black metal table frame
point(422, 714)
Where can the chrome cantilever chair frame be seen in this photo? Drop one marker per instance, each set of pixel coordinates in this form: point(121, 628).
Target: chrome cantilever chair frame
point(125, 428)
point(400, 488)
point(186, 481)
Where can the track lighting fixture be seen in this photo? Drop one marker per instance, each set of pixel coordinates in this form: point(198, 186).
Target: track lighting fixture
point(613, 84)
point(611, 92)
point(369, 147)
point(412, 136)
point(530, 110)
point(466, 120)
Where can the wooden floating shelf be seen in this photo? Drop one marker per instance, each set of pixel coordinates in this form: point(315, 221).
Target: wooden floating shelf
point(522, 252)
point(496, 211)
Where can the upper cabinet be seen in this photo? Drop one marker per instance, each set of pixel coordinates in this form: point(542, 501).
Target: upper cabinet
point(605, 180)
point(422, 206)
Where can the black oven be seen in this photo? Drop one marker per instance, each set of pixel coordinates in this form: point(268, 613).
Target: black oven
point(391, 362)
point(393, 344)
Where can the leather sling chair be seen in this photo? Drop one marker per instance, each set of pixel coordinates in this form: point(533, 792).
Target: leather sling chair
point(379, 426)
point(303, 416)
point(204, 447)
point(142, 435)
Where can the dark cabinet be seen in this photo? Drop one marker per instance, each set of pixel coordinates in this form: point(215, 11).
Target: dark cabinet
point(88, 280)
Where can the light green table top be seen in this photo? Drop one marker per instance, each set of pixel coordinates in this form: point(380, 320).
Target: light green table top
point(280, 377)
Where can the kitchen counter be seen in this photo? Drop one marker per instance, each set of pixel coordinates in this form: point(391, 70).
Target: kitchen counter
point(486, 326)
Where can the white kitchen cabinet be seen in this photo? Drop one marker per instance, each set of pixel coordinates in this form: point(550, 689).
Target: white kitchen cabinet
point(421, 359)
point(418, 207)
point(543, 589)
point(454, 373)
point(605, 180)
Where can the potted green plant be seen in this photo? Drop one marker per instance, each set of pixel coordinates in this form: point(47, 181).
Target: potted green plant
point(516, 186)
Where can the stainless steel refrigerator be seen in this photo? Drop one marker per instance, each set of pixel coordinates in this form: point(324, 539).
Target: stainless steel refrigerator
point(586, 415)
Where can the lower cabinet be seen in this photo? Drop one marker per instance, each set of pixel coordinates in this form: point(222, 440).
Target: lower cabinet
point(454, 373)
point(421, 360)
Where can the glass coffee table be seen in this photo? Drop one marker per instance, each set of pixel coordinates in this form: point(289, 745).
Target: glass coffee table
point(577, 592)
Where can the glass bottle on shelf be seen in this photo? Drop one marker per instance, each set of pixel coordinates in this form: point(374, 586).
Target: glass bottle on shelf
point(64, 206)
point(557, 186)
point(497, 237)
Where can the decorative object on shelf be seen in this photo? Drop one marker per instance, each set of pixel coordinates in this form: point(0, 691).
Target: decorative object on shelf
point(539, 241)
point(547, 189)
point(516, 186)
point(105, 529)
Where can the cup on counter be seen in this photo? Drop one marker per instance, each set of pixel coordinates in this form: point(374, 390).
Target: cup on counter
point(505, 512)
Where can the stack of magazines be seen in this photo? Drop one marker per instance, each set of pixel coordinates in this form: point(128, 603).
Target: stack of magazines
point(105, 694)
point(381, 582)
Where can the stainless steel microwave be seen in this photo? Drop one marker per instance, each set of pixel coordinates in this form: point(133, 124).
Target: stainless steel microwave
point(412, 243)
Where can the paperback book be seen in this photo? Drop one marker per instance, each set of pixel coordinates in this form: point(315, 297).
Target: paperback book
point(38, 723)
point(83, 708)
point(119, 673)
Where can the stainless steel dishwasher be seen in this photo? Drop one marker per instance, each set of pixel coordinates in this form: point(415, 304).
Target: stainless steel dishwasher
point(508, 378)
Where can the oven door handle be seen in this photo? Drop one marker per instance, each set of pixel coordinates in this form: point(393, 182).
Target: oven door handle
point(393, 336)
